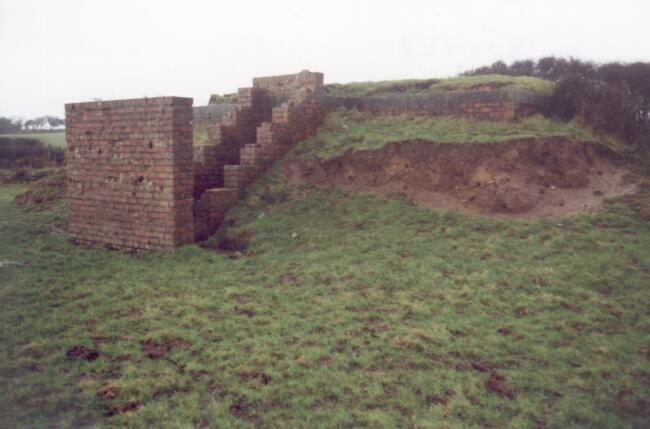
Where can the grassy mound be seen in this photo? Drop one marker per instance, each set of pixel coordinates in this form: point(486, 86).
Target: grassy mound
point(353, 130)
point(43, 192)
point(464, 83)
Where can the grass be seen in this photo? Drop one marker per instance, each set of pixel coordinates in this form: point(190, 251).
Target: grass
point(345, 311)
point(200, 135)
point(53, 139)
point(353, 130)
point(44, 191)
point(360, 89)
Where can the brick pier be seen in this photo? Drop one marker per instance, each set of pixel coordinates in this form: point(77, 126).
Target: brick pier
point(129, 165)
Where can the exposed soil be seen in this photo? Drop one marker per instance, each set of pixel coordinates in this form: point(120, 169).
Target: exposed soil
point(43, 192)
point(82, 353)
point(497, 384)
point(124, 408)
point(529, 178)
point(157, 349)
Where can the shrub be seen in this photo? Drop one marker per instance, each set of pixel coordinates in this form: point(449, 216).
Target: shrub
point(613, 98)
point(16, 152)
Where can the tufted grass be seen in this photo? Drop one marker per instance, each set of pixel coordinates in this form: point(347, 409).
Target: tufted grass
point(345, 311)
point(200, 136)
point(346, 130)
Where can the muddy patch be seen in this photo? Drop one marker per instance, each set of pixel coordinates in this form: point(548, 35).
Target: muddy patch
point(497, 384)
point(81, 353)
point(529, 178)
point(122, 408)
point(156, 349)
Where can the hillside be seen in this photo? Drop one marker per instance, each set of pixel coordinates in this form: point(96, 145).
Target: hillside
point(351, 130)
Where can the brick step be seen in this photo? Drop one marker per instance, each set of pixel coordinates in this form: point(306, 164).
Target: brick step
point(210, 210)
point(274, 133)
point(239, 176)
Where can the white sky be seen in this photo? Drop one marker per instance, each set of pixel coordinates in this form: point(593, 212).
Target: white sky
point(59, 51)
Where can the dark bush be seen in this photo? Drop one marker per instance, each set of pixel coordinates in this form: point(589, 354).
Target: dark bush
point(569, 96)
point(550, 68)
point(16, 152)
point(613, 98)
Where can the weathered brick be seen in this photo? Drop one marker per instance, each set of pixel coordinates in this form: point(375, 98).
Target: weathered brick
point(129, 165)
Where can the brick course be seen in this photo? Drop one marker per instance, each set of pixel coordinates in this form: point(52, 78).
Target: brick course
point(499, 104)
point(129, 165)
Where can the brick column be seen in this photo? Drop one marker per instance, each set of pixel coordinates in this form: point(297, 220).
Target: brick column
point(129, 165)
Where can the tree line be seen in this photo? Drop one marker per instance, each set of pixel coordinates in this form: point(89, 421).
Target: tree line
point(11, 126)
point(612, 98)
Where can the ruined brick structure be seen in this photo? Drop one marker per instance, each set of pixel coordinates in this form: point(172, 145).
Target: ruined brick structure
point(129, 165)
point(136, 181)
point(269, 118)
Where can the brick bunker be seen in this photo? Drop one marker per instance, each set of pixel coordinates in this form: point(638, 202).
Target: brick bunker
point(137, 181)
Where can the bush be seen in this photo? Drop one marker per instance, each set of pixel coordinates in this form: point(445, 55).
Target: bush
point(17, 152)
point(613, 98)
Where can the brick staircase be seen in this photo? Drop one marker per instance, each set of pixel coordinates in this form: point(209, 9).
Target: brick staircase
point(271, 117)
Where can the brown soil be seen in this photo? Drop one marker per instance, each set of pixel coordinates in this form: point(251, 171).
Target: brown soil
point(497, 384)
point(530, 178)
point(157, 349)
point(82, 353)
point(124, 408)
point(43, 192)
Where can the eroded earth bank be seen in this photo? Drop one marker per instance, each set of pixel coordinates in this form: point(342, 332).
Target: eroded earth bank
point(525, 178)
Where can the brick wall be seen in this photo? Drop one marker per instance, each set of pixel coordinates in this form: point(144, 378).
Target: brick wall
point(296, 113)
point(227, 136)
point(207, 115)
point(210, 210)
point(500, 104)
point(289, 87)
point(129, 165)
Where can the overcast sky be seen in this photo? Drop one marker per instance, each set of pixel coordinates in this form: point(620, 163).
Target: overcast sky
point(58, 51)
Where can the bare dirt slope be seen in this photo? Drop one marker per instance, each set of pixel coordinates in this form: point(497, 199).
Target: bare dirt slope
point(530, 178)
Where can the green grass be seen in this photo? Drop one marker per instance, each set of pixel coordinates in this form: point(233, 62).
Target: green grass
point(54, 138)
point(200, 135)
point(346, 130)
point(359, 89)
point(345, 311)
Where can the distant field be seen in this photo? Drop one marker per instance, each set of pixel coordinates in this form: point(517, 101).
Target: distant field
point(54, 139)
